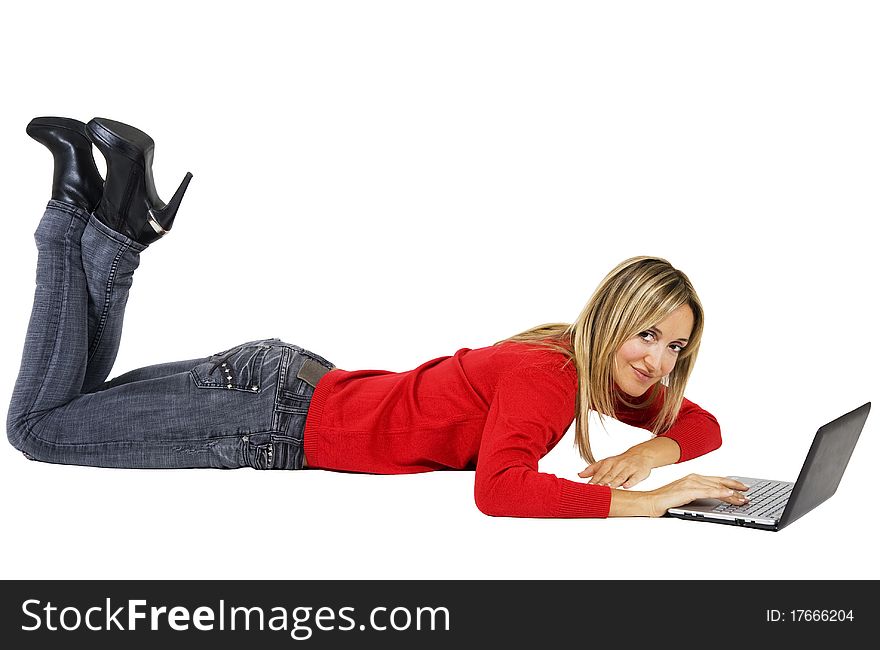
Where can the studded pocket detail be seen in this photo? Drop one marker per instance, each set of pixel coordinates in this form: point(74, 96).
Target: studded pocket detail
point(239, 368)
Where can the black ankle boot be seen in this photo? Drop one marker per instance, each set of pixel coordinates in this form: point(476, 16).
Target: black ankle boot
point(76, 178)
point(130, 204)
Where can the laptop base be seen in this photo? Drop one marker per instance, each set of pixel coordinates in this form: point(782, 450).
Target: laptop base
point(730, 522)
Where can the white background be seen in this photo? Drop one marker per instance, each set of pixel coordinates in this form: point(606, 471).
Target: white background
point(384, 183)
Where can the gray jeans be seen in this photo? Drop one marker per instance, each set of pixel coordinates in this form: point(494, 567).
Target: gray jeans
point(242, 407)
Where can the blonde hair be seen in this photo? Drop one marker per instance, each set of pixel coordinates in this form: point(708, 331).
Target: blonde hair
point(636, 295)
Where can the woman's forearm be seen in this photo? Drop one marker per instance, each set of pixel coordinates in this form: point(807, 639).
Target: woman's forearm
point(629, 504)
point(660, 451)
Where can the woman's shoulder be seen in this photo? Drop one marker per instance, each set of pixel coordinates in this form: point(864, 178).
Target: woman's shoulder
point(534, 352)
point(525, 357)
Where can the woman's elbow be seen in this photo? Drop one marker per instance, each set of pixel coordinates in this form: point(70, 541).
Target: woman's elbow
point(712, 434)
point(486, 503)
point(717, 430)
point(714, 441)
point(489, 498)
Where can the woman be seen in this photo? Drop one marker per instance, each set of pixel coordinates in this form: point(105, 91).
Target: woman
point(267, 404)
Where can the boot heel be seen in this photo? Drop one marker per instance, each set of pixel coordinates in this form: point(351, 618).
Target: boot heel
point(130, 204)
point(161, 219)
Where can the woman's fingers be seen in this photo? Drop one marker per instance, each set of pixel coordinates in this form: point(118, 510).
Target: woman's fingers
point(616, 471)
point(716, 481)
point(733, 483)
point(696, 486)
point(620, 478)
point(606, 477)
point(724, 488)
point(735, 497)
point(635, 479)
point(599, 472)
point(588, 471)
point(731, 490)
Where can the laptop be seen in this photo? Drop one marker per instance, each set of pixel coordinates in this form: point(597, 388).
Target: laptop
point(773, 505)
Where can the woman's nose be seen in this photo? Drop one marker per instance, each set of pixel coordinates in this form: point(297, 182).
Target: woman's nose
point(652, 360)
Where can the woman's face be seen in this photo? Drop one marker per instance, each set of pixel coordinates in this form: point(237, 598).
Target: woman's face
point(649, 356)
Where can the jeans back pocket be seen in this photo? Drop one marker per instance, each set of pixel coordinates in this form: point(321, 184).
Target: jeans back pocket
point(239, 368)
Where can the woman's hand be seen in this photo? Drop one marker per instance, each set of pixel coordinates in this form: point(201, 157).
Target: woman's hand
point(624, 470)
point(695, 486)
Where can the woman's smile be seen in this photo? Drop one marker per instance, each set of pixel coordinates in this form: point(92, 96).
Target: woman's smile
point(641, 376)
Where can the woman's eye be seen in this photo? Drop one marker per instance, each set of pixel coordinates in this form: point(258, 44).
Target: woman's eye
point(650, 336)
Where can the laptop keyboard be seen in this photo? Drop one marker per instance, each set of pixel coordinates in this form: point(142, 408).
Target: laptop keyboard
point(767, 500)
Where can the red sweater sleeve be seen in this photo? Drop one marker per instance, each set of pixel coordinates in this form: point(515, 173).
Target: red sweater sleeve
point(695, 430)
point(530, 412)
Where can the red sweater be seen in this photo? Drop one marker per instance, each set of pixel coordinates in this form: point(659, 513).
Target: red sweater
point(496, 410)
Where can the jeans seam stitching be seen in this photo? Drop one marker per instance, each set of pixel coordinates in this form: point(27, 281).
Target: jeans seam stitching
point(33, 435)
point(65, 299)
point(108, 290)
point(74, 210)
point(286, 358)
